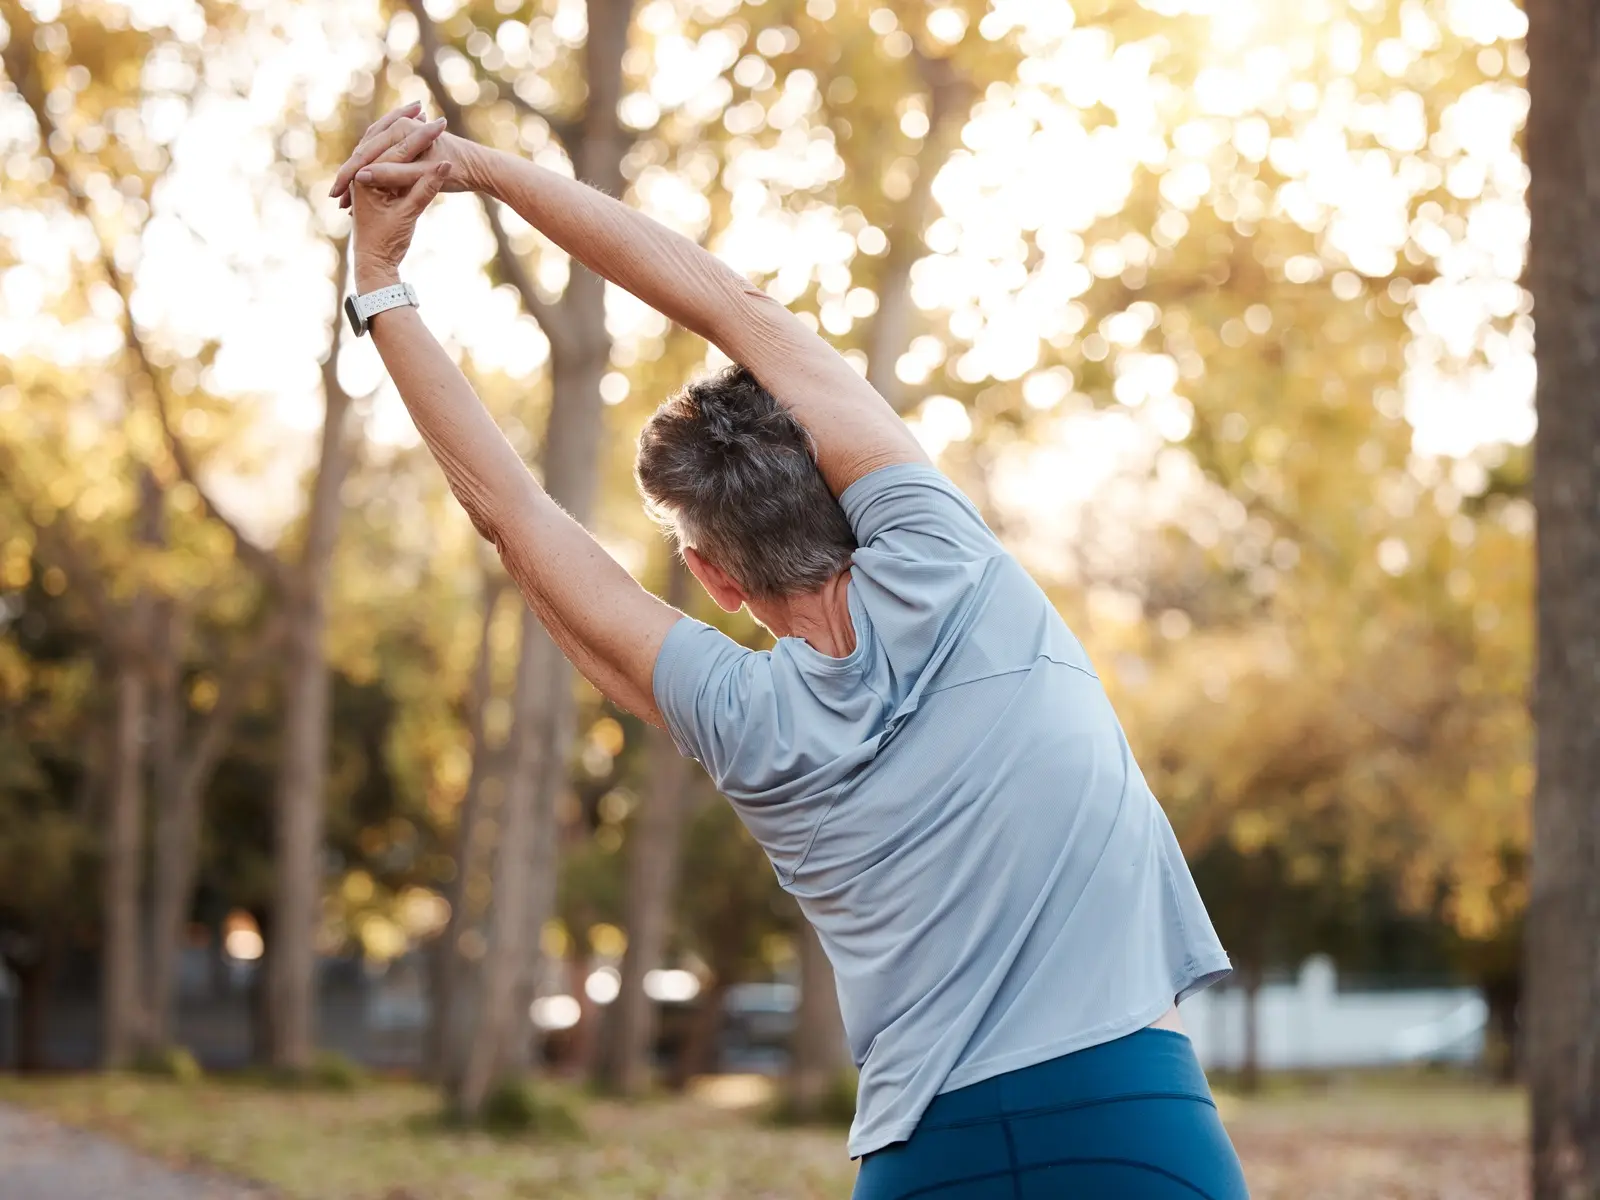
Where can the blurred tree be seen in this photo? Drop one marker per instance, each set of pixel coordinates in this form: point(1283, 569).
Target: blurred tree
point(300, 803)
point(523, 890)
point(147, 740)
point(730, 908)
point(653, 847)
point(126, 627)
point(185, 752)
point(1320, 660)
point(136, 601)
point(450, 973)
point(818, 1051)
point(47, 786)
point(295, 574)
point(1563, 1025)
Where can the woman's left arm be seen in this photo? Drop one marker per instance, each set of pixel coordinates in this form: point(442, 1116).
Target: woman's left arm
point(604, 622)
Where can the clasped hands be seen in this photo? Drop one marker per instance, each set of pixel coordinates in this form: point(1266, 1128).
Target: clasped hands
point(399, 166)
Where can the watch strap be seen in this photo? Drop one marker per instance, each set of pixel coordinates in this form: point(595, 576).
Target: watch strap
point(383, 299)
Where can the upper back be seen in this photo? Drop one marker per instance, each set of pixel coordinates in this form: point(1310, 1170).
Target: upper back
point(937, 604)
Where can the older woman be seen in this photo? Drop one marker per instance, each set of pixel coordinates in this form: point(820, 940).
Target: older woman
point(925, 753)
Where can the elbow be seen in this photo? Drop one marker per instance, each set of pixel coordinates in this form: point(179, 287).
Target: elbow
point(755, 308)
point(488, 529)
point(726, 306)
point(482, 509)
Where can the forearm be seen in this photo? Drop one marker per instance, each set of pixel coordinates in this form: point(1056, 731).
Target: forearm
point(667, 271)
point(604, 622)
point(853, 428)
point(484, 472)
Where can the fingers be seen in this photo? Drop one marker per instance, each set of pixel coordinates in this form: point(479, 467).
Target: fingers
point(426, 188)
point(389, 118)
point(369, 140)
point(364, 153)
point(400, 139)
point(394, 176)
point(410, 144)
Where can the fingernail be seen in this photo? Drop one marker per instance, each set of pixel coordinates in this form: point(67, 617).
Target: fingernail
point(364, 176)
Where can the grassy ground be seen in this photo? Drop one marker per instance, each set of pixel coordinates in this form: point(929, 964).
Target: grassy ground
point(1395, 1138)
point(1389, 1139)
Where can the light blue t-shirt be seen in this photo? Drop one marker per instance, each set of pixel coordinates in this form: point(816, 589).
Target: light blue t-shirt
point(954, 806)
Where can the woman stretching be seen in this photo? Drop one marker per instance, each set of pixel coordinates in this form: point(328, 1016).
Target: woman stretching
point(925, 754)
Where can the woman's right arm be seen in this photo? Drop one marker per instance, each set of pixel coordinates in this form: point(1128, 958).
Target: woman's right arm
point(854, 428)
point(608, 626)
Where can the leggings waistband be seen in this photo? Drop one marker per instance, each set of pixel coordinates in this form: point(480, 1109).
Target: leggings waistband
point(1151, 1062)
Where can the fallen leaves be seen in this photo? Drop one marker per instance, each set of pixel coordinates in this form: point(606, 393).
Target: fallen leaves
point(1415, 1140)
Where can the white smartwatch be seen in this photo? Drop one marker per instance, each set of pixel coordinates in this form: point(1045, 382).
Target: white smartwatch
point(361, 309)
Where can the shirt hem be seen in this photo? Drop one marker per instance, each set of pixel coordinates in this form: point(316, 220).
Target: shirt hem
point(1016, 1060)
point(1203, 972)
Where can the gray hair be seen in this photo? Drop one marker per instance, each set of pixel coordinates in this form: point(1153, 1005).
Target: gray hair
point(730, 472)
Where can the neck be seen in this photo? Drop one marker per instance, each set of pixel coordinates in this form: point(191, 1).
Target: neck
point(821, 618)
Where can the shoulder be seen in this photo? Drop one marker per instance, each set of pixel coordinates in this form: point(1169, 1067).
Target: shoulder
point(916, 508)
point(695, 655)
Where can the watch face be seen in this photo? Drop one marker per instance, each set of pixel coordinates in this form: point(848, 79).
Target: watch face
point(350, 310)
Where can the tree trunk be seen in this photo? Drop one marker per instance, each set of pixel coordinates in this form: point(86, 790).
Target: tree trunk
point(949, 101)
point(653, 859)
point(542, 774)
point(33, 1011)
point(502, 1040)
point(164, 932)
point(583, 1046)
point(444, 1050)
point(1503, 995)
point(1563, 952)
point(455, 1025)
point(654, 846)
point(571, 476)
point(524, 873)
point(1250, 1061)
point(580, 352)
point(817, 1049)
point(121, 1005)
point(181, 780)
point(303, 768)
point(259, 1001)
point(509, 904)
point(602, 142)
point(699, 1055)
point(136, 645)
point(297, 867)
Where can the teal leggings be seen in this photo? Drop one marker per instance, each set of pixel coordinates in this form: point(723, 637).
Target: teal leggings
point(1131, 1119)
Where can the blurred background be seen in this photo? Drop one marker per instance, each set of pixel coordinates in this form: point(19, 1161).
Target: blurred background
point(1212, 306)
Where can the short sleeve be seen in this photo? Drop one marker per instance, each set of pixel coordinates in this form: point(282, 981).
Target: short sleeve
point(710, 691)
point(912, 511)
point(924, 555)
point(775, 738)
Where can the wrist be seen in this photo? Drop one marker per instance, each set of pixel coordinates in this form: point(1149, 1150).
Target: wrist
point(371, 276)
point(478, 167)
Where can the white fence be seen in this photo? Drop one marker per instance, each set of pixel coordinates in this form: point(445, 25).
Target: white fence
point(1310, 1023)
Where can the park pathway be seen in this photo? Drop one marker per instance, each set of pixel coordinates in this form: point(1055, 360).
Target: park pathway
point(40, 1160)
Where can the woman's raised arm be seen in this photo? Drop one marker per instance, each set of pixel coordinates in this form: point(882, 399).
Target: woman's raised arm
point(854, 428)
point(603, 621)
